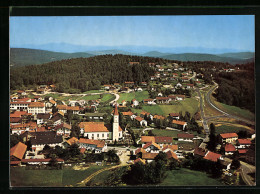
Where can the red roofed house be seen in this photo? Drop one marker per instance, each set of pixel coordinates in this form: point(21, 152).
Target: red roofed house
point(63, 129)
point(72, 140)
point(171, 154)
point(139, 160)
point(213, 156)
point(180, 97)
point(91, 144)
point(229, 149)
point(152, 147)
point(141, 121)
point(179, 123)
point(175, 115)
point(36, 108)
point(185, 137)
point(129, 113)
point(163, 140)
point(243, 143)
point(199, 152)
point(149, 101)
point(149, 157)
point(16, 153)
point(147, 139)
point(20, 105)
point(229, 137)
point(163, 100)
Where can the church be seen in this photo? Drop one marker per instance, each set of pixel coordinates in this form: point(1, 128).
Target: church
point(102, 131)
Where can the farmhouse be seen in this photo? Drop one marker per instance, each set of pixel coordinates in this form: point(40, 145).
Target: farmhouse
point(149, 101)
point(229, 149)
point(163, 100)
point(63, 129)
point(243, 143)
point(212, 156)
point(97, 145)
point(179, 123)
point(16, 153)
point(185, 137)
point(229, 137)
point(141, 121)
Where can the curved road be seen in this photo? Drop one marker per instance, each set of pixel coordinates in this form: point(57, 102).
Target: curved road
point(224, 113)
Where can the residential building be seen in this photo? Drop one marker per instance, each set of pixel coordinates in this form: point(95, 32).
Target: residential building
point(229, 149)
point(214, 157)
point(17, 153)
point(97, 145)
point(228, 137)
point(163, 100)
point(180, 123)
point(36, 107)
point(63, 129)
point(185, 137)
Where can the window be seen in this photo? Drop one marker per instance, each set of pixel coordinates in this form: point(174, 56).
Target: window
point(102, 134)
point(97, 135)
point(108, 135)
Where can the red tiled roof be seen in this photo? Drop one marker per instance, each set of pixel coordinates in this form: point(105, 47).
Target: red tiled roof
point(147, 100)
point(82, 150)
point(146, 139)
point(151, 143)
point(15, 120)
point(93, 127)
point(171, 154)
point(98, 143)
point(129, 113)
point(148, 156)
point(244, 141)
point(242, 151)
point(174, 114)
point(228, 135)
point(20, 102)
point(162, 98)
point(178, 122)
point(41, 160)
point(36, 104)
point(18, 150)
point(159, 117)
point(181, 96)
point(230, 148)
point(140, 150)
point(18, 114)
point(139, 118)
point(23, 100)
point(72, 140)
point(185, 135)
point(212, 156)
point(172, 147)
point(200, 151)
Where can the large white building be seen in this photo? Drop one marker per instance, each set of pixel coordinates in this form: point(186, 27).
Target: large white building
point(36, 107)
point(101, 131)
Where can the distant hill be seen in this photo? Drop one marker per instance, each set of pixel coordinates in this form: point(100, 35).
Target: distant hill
point(155, 54)
point(111, 52)
point(239, 55)
point(23, 57)
point(206, 57)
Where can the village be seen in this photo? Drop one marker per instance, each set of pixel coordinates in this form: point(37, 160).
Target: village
point(134, 124)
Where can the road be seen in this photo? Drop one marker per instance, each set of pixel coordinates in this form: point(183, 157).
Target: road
point(208, 99)
point(117, 98)
point(246, 169)
point(146, 129)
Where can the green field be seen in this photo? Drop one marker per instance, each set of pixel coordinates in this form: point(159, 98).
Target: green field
point(229, 129)
point(52, 178)
point(139, 96)
point(233, 110)
point(189, 104)
point(93, 91)
point(186, 177)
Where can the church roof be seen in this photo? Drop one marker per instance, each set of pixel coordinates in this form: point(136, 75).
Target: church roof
point(116, 111)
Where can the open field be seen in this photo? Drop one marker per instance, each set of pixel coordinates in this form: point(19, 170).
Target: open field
point(93, 91)
point(229, 128)
point(236, 111)
point(171, 133)
point(139, 96)
point(52, 178)
point(186, 177)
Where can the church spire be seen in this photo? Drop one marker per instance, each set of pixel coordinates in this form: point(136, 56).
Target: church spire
point(116, 111)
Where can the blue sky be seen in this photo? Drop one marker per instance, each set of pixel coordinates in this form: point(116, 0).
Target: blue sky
point(231, 32)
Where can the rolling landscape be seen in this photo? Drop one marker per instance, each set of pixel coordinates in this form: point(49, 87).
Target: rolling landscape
point(25, 56)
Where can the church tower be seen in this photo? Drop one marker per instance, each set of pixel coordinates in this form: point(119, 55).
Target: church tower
point(115, 124)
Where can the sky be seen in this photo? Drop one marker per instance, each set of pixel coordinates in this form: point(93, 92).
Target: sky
point(223, 31)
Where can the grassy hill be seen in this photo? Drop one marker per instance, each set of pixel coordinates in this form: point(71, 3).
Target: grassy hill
point(240, 55)
point(23, 57)
point(206, 57)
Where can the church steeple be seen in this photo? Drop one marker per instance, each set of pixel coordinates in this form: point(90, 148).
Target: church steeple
point(116, 125)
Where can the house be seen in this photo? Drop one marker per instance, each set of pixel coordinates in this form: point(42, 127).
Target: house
point(147, 139)
point(63, 129)
point(74, 102)
point(72, 141)
point(65, 109)
point(152, 147)
point(180, 123)
point(36, 107)
point(97, 145)
point(175, 116)
point(95, 116)
point(139, 89)
point(15, 120)
point(185, 137)
point(19, 105)
point(144, 83)
point(199, 152)
point(17, 153)
point(170, 154)
point(141, 121)
point(20, 128)
point(172, 97)
point(123, 103)
point(180, 97)
point(129, 113)
point(42, 118)
point(135, 102)
point(243, 143)
point(149, 101)
point(40, 139)
point(178, 85)
point(144, 114)
point(189, 86)
point(160, 94)
point(184, 79)
point(228, 137)
point(168, 147)
point(162, 140)
point(229, 149)
point(159, 117)
point(139, 150)
point(21, 92)
point(57, 119)
point(163, 100)
point(214, 157)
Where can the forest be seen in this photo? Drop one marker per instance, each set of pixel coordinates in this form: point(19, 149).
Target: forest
point(83, 74)
point(237, 88)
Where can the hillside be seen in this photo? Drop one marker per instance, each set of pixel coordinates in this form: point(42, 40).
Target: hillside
point(206, 57)
point(22, 57)
point(239, 55)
